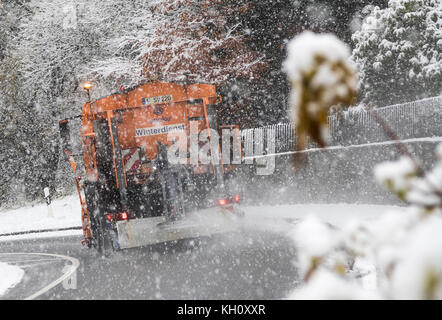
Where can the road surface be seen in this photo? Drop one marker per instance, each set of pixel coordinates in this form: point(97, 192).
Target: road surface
point(245, 265)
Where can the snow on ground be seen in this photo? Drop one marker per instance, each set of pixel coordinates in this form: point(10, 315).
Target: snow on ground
point(10, 277)
point(66, 214)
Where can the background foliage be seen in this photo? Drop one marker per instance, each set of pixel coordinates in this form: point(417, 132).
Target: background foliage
point(47, 48)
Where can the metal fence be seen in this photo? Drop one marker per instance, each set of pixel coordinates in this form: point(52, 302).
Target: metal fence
point(417, 119)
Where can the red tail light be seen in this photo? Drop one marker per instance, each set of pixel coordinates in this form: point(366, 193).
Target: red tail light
point(123, 216)
point(117, 216)
point(236, 198)
point(222, 202)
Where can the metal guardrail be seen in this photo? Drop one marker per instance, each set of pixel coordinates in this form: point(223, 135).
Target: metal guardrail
point(39, 231)
point(416, 119)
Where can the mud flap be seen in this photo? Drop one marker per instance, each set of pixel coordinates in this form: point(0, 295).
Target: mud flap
point(147, 231)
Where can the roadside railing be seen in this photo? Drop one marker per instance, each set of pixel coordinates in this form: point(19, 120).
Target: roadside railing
point(416, 119)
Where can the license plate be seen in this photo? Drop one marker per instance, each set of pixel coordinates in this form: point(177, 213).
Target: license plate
point(159, 99)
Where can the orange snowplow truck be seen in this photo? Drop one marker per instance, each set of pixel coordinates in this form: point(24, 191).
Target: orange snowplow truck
point(132, 193)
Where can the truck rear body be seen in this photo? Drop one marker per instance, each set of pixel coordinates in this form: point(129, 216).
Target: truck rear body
point(125, 140)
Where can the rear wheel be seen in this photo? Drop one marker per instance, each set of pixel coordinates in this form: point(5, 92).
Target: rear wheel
point(101, 235)
point(104, 239)
point(171, 185)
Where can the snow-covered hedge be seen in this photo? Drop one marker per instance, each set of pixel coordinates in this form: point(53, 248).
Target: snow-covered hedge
point(399, 51)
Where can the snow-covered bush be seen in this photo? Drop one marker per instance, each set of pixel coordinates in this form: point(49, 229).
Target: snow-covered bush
point(327, 285)
point(399, 52)
point(321, 77)
point(404, 247)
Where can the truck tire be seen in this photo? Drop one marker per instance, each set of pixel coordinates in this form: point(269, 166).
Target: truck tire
point(104, 240)
point(172, 188)
point(101, 239)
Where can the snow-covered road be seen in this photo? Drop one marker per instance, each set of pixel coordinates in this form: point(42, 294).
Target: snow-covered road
point(252, 265)
point(256, 263)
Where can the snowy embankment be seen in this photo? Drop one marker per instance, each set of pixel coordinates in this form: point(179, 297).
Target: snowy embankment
point(64, 213)
point(10, 277)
